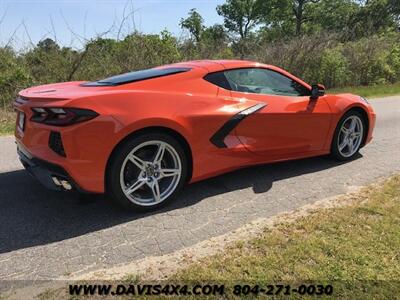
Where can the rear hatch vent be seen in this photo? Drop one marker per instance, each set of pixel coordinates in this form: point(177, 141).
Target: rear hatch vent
point(56, 144)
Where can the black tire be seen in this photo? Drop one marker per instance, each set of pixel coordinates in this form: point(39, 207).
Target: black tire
point(335, 152)
point(113, 184)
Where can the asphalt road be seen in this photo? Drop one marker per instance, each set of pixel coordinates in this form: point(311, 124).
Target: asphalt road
point(46, 234)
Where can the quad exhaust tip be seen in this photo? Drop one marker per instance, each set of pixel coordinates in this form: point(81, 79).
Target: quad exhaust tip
point(62, 183)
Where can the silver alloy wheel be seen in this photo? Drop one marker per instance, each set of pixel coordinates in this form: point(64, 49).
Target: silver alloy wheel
point(150, 173)
point(350, 136)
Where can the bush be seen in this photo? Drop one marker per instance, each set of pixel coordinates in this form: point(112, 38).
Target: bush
point(48, 62)
point(394, 62)
point(323, 58)
point(334, 68)
point(13, 77)
point(304, 57)
point(368, 61)
point(97, 60)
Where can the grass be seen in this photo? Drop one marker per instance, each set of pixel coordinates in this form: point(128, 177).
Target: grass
point(356, 248)
point(370, 91)
point(48, 294)
point(7, 122)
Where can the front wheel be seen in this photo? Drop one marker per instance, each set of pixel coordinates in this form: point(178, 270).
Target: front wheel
point(147, 171)
point(348, 137)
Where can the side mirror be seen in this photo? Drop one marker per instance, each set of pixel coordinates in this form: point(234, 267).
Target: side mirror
point(317, 90)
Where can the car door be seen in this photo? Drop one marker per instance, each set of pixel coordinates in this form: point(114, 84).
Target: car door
point(290, 122)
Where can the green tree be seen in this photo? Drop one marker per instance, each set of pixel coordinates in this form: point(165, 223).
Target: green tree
point(299, 7)
point(215, 34)
point(241, 16)
point(374, 16)
point(48, 45)
point(394, 9)
point(194, 24)
point(141, 51)
point(48, 62)
point(331, 15)
point(215, 42)
point(286, 18)
point(293, 12)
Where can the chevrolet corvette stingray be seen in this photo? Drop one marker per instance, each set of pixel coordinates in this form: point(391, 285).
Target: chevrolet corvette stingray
point(141, 136)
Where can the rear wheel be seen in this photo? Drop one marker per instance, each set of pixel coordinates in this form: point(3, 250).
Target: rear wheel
point(147, 172)
point(348, 137)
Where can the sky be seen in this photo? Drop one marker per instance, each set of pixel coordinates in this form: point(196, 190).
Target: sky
point(71, 22)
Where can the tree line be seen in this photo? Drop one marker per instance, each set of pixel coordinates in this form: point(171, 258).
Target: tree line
point(335, 42)
point(249, 22)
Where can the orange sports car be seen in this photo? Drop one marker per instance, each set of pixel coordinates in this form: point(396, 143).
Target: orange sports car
point(141, 136)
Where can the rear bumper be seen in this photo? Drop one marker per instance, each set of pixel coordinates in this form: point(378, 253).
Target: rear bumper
point(52, 176)
point(86, 146)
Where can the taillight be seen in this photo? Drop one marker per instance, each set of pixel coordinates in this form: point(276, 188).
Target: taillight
point(61, 116)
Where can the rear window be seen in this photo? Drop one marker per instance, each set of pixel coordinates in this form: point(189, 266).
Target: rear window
point(136, 76)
